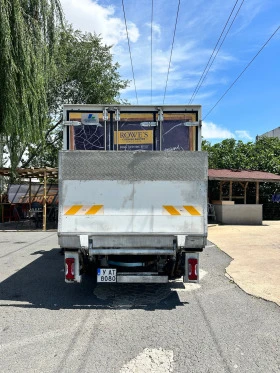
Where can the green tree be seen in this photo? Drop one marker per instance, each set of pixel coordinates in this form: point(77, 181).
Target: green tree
point(266, 155)
point(263, 155)
point(85, 73)
point(27, 39)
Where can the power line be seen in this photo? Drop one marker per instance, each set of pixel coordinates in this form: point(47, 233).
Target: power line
point(178, 8)
point(242, 72)
point(129, 51)
point(203, 76)
point(152, 16)
point(220, 45)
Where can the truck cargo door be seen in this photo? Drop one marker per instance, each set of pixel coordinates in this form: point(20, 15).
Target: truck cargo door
point(176, 134)
point(135, 131)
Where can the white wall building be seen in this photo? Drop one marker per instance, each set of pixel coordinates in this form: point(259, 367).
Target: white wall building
point(272, 133)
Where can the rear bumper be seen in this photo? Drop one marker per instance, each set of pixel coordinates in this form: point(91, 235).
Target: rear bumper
point(125, 244)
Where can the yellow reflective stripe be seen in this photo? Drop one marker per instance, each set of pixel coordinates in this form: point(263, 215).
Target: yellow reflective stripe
point(73, 210)
point(172, 210)
point(94, 209)
point(192, 210)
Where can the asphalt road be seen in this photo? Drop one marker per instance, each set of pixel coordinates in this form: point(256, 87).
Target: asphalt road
point(49, 326)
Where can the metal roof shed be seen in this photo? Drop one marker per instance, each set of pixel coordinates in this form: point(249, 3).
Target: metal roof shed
point(243, 177)
point(29, 173)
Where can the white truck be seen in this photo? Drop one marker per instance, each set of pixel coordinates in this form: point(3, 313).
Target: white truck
point(132, 193)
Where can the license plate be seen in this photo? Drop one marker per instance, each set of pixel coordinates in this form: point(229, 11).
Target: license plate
point(106, 275)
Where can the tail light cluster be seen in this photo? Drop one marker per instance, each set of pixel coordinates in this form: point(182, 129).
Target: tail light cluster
point(193, 269)
point(70, 269)
point(72, 266)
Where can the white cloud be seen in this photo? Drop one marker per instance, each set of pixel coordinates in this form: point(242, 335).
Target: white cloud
point(243, 134)
point(156, 30)
point(248, 12)
point(211, 130)
point(89, 16)
point(191, 51)
point(214, 131)
point(179, 77)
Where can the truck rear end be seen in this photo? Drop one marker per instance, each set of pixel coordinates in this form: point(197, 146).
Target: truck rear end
point(132, 193)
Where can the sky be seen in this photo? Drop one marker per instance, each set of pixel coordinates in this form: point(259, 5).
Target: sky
point(169, 57)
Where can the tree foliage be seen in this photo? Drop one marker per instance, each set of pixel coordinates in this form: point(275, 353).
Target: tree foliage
point(85, 74)
point(43, 65)
point(27, 39)
point(263, 155)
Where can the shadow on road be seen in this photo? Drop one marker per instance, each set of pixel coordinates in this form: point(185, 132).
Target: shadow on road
point(41, 285)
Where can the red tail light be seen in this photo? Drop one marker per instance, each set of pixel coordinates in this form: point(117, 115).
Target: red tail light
point(192, 269)
point(70, 269)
